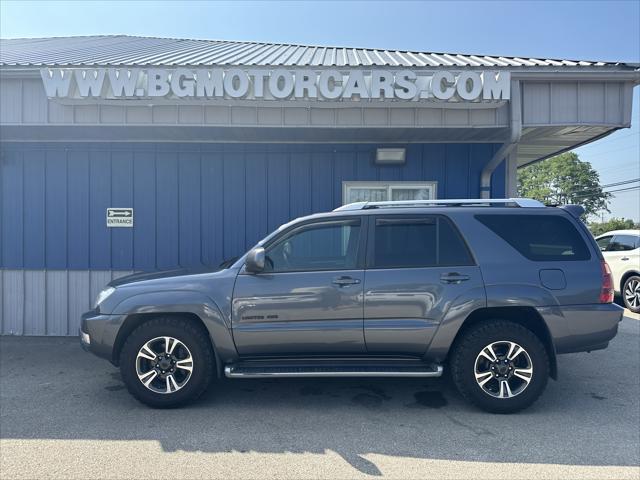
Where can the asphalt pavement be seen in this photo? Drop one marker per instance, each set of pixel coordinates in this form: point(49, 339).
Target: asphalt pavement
point(66, 414)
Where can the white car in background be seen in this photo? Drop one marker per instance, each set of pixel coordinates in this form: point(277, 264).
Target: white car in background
point(621, 250)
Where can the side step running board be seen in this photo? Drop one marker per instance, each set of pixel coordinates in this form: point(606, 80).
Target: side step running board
point(242, 371)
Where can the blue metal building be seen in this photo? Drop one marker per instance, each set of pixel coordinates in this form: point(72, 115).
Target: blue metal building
point(214, 144)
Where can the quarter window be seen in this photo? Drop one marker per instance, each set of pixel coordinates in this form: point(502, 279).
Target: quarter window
point(318, 246)
point(542, 238)
point(427, 241)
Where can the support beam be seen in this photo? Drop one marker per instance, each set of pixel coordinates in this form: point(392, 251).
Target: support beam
point(506, 149)
point(511, 174)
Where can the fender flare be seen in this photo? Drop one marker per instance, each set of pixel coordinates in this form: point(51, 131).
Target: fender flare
point(175, 302)
point(530, 297)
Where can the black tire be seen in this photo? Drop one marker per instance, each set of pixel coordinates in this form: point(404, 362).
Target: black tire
point(467, 349)
point(193, 336)
point(633, 280)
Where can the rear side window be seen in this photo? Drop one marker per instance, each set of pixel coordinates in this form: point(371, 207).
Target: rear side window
point(425, 241)
point(542, 238)
point(622, 243)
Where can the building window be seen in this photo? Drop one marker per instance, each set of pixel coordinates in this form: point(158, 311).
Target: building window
point(385, 191)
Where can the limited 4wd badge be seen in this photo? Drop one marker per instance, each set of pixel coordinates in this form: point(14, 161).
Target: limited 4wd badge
point(119, 217)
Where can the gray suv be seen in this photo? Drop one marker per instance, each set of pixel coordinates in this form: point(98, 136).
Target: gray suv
point(488, 290)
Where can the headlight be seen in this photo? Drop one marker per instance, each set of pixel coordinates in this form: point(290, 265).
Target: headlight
point(103, 295)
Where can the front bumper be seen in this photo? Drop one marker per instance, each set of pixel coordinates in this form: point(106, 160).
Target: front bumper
point(85, 340)
point(98, 333)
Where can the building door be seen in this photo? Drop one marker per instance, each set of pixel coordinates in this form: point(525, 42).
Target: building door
point(308, 300)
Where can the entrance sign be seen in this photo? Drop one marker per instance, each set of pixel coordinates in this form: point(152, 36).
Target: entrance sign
point(120, 217)
point(276, 84)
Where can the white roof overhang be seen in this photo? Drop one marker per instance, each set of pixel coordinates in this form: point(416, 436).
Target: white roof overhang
point(564, 103)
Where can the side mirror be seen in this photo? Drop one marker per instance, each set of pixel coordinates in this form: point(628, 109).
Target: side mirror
point(254, 263)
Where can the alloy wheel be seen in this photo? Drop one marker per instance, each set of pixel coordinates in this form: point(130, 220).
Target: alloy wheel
point(632, 293)
point(164, 365)
point(503, 369)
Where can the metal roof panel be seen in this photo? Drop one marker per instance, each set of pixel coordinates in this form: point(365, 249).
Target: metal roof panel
point(106, 50)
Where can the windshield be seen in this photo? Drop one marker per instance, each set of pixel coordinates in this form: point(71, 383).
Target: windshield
point(227, 263)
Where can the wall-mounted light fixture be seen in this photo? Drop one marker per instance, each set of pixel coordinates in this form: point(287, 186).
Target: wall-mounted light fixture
point(391, 156)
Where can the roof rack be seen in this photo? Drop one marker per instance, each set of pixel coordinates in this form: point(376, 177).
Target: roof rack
point(458, 202)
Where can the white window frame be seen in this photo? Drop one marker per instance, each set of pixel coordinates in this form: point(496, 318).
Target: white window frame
point(431, 186)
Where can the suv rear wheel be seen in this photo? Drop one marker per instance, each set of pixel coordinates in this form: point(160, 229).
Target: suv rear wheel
point(167, 362)
point(500, 366)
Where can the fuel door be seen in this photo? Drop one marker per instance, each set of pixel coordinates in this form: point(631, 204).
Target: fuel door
point(553, 279)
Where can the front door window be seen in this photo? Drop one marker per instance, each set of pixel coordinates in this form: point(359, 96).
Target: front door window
point(314, 247)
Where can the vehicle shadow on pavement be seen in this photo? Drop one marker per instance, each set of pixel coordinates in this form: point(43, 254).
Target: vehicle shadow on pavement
point(51, 389)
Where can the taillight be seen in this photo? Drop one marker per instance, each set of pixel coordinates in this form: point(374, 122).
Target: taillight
point(606, 292)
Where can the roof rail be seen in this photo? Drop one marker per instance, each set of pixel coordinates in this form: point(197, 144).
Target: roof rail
point(458, 202)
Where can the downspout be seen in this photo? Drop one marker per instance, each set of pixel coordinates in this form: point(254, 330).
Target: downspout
point(515, 132)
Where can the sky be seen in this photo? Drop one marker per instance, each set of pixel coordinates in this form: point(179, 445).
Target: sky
point(585, 30)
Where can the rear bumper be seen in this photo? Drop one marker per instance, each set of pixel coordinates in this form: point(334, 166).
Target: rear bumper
point(582, 328)
point(98, 333)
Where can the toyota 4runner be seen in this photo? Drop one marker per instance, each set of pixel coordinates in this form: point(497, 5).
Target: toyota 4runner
point(490, 290)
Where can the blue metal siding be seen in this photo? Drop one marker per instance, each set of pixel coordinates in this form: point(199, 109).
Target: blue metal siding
point(167, 234)
point(497, 182)
point(144, 199)
point(56, 208)
point(193, 204)
point(78, 210)
point(121, 196)
point(34, 204)
point(256, 169)
point(212, 185)
point(189, 202)
point(12, 207)
point(100, 199)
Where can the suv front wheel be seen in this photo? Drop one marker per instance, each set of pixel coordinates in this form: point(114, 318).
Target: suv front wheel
point(500, 366)
point(167, 362)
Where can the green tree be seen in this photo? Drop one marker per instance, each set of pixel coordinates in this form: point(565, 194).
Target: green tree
point(561, 180)
point(598, 228)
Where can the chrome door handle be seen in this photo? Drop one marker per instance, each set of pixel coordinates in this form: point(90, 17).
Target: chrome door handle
point(453, 277)
point(344, 281)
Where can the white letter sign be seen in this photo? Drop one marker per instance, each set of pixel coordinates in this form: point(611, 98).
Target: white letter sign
point(280, 84)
